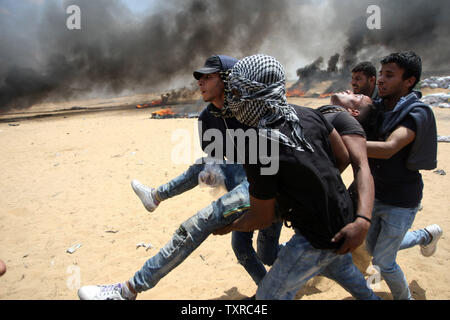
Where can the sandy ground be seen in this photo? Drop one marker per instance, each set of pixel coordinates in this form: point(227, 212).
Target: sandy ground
point(66, 180)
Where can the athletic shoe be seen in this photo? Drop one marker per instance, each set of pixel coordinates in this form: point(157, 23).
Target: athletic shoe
point(105, 292)
point(436, 233)
point(145, 194)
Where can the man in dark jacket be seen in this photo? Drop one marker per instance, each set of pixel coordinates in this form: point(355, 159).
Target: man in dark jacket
point(406, 143)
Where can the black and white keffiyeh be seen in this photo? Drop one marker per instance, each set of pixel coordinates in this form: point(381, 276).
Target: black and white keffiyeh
point(256, 96)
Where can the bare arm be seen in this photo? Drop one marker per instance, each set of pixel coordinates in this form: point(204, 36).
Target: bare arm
point(355, 233)
point(397, 140)
point(356, 146)
point(340, 151)
point(260, 216)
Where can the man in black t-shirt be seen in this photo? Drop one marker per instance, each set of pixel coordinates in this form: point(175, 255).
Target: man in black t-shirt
point(354, 138)
point(219, 213)
point(307, 187)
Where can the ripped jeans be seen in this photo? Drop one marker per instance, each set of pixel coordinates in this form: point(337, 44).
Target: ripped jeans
point(190, 235)
point(196, 229)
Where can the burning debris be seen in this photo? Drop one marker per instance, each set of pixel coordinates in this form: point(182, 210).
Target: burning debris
point(45, 62)
point(182, 95)
point(154, 103)
point(162, 113)
point(313, 74)
point(170, 114)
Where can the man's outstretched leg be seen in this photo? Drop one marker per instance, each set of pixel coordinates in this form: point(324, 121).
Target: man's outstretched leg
point(186, 239)
point(151, 197)
point(233, 174)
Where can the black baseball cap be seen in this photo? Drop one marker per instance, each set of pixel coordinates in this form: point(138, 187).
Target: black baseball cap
point(215, 64)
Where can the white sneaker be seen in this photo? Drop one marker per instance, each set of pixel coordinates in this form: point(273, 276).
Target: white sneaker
point(145, 194)
point(105, 292)
point(436, 233)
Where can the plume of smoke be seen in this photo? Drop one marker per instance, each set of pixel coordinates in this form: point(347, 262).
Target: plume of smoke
point(115, 51)
point(332, 63)
point(405, 25)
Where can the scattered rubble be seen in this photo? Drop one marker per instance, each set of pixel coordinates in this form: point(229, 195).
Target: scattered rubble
point(147, 246)
point(190, 115)
point(440, 100)
point(440, 172)
point(436, 82)
point(74, 248)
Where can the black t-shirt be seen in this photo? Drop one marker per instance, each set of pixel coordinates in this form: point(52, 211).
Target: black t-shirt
point(208, 121)
point(395, 184)
point(308, 187)
point(345, 124)
point(342, 120)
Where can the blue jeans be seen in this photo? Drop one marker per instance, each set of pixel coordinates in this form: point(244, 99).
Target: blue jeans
point(190, 235)
point(298, 261)
point(234, 175)
point(414, 238)
point(267, 250)
point(388, 234)
point(196, 229)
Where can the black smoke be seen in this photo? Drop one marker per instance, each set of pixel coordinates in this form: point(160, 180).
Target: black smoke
point(421, 26)
point(116, 51)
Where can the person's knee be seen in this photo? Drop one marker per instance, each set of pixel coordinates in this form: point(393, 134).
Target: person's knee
point(267, 258)
point(268, 248)
point(242, 246)
point(385, 265)
point(198, 226)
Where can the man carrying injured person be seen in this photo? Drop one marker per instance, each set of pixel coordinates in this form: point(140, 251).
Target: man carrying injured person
point(219, 213)
point(308, 187)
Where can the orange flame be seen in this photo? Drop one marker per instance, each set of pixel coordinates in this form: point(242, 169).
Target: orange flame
point(295, 93)
point(151, 104)
point(163, 112)
point(325, 95)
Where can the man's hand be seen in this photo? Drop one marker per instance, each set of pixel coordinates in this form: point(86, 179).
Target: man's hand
point(354, 234)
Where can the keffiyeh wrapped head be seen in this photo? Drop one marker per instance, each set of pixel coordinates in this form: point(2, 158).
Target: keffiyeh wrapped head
point(256, 96)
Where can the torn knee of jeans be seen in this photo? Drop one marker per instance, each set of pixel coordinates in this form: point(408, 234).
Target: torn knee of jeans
point(182, 232)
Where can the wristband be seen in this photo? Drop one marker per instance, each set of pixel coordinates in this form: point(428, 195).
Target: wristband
point(363, 217)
